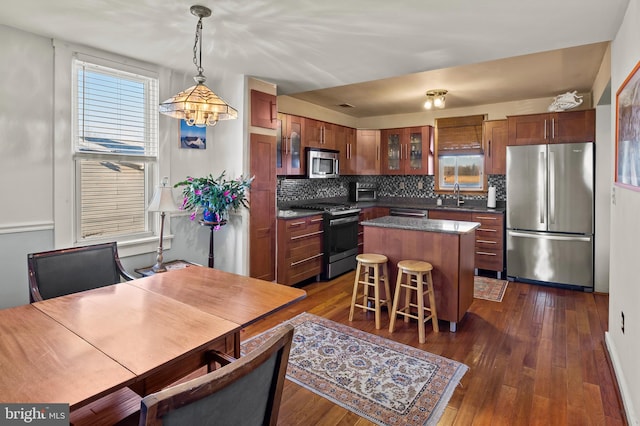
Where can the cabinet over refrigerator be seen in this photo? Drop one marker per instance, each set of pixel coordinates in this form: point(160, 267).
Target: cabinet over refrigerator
point(550, 213)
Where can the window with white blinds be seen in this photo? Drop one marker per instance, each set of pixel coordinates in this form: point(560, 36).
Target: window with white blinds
point(115, 141)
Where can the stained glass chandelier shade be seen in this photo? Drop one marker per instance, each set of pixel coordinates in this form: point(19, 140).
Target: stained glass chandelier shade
point(198, 105)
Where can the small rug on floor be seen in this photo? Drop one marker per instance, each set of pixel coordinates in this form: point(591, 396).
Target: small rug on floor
point(489, 288)
point(386, 382)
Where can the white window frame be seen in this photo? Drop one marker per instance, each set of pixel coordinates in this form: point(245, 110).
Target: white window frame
point(150, 143)
point(64, 169)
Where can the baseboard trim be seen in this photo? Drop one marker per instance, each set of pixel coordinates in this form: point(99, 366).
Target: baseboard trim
point(623, 390)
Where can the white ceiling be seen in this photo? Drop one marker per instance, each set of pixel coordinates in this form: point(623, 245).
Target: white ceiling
point(311, 45)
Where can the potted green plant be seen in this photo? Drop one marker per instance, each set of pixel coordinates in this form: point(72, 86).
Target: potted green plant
point(214, 196)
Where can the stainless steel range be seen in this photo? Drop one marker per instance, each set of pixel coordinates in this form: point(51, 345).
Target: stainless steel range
point(340, 228)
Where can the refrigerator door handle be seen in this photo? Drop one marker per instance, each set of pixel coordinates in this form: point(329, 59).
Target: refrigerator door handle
point(552, 187)
point(542, 187)
point(545, 236)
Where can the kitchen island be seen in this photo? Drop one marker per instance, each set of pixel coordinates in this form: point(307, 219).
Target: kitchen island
point(448, 245)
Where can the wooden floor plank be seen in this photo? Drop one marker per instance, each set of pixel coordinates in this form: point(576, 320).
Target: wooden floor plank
point(525, 355)
point(536, 358)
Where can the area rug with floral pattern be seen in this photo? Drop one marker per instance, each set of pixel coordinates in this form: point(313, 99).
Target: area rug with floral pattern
point(386, 382)
point(489, 288)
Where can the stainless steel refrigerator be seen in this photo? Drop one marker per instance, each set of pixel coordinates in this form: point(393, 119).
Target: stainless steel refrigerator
point(550, 212)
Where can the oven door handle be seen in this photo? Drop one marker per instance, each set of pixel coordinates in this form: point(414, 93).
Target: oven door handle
point(342, 220)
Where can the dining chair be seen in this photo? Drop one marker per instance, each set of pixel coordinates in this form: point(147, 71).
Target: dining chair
point(59, 272)
point(245, 392)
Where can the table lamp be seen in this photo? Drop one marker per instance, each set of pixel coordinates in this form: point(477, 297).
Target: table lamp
point(162, 202)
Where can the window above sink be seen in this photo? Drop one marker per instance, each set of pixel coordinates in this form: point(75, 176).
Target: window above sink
point(465, 170)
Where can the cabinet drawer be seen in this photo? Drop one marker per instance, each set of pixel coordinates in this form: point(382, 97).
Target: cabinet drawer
point(304, 249)
point(489, 253)
point(487, 259)
point(303, 227)
point(449, 215)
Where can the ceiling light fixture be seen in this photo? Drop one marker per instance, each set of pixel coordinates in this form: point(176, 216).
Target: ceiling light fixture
point(435, 98)
point(198, 105)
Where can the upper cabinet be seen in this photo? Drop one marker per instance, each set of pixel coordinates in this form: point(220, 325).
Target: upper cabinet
point(407, 151)
point(459, 135)
point(495, 135)
point(263, 110)
point(319, 134)
point(555, 127)
point(368, 152)
point(289, 150)
point(345, 142)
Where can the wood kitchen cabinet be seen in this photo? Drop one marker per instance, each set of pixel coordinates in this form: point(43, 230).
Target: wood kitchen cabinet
point(489, 247)
point(345, 142)
point(407, 151)
point(494, 139)
point(368, 213)
point(289, 150)
point(264, 111)
point(489, 241)
point(555, 127)
point(368, 152)
point(300, 249)
point(262, 215)
point(319, 134)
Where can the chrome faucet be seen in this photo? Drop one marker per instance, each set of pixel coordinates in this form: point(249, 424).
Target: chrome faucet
point(456, 192)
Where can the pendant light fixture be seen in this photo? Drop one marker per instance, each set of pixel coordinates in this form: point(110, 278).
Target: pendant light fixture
point(198, 105)
point(435, 98)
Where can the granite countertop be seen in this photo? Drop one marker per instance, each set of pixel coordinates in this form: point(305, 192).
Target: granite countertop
point(285, 212)
point(430, 204)
point(427, 225)
point(296, 213)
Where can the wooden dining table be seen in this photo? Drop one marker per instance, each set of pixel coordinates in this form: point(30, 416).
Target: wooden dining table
point(43, 361)
point(238, 298)
point(143, 334)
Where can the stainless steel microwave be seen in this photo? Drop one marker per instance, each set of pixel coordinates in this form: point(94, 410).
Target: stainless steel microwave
point(322, 163)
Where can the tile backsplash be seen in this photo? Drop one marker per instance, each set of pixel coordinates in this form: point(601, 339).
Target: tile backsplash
point(420, 186)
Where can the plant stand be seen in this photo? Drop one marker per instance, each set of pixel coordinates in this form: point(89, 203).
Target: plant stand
point(212, 226)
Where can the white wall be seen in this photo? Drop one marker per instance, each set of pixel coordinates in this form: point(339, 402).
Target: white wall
point(26, 157)
point(624, 280)
point(604, 177)
point(36, 192)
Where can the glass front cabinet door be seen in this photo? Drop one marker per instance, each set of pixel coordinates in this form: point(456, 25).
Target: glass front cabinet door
point(407, 151)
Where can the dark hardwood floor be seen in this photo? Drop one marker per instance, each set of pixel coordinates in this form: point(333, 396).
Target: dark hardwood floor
point(537, 357)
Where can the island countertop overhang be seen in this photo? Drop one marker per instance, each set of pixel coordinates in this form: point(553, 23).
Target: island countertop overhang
point(420, 224)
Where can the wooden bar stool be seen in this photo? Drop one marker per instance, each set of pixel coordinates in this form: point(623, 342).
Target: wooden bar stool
point(415, 272)
point(368, 274)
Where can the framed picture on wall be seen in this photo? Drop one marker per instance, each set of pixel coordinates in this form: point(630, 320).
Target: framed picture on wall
point(628, 132)
point(192, 137)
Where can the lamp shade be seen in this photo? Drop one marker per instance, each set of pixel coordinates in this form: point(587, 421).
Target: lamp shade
point(162, 200)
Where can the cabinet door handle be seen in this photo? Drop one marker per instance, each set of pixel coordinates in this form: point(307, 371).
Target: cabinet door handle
point(307, 259)
point(486, 242)
point(487, 230)
point(544, 134)
point(484, 253)
point(489, 148)
point(272, 114)
point(553, 128)
point(297, 223)
point(311, 234)
point(317, 220)
point(487, 217)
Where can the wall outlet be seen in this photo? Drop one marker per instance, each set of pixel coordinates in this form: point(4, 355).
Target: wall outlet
point(420, 184)
point(622, 321)
point(401, 185)
point(613, 195)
